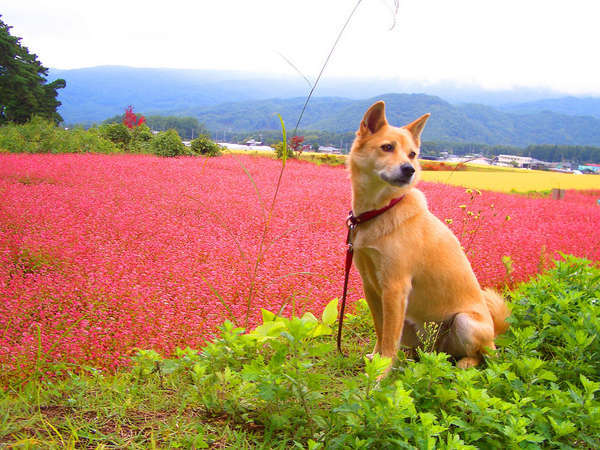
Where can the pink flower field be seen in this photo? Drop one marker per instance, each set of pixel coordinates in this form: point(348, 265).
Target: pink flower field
point(101, 255)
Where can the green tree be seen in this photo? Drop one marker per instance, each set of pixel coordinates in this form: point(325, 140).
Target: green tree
point(203, 145)
point(168, 143)
point(141, 136)
point(24, 90)
point(116, 133)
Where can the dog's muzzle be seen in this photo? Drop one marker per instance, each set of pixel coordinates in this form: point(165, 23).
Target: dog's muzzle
point(399, 176)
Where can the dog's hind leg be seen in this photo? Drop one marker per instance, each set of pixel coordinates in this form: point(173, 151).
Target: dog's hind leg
point(470, 335)
point(410, 339)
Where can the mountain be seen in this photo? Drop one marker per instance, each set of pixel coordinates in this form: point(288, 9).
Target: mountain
point(240, 101)
point(455, 123)
point(572, 106)
point(95, 93)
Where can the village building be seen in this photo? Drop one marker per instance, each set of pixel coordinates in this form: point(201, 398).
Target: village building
point(327, 149)
point(232, 146)
point(524, 162)
point(589, 168)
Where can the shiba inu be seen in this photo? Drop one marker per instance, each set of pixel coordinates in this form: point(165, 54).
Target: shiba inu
point(412, 266)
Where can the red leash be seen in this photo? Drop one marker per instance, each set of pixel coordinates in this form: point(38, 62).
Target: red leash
point(352, 222)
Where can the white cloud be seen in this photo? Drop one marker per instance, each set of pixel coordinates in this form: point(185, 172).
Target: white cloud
point(545, 43)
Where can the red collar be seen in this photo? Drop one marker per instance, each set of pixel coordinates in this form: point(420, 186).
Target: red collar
point(352, 221)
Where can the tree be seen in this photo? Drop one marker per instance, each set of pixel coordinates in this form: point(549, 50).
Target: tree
point(203, 145)
point(24, 91)
point(117, 133)
point(168, 143)
point(297, 146)
point(131, 120)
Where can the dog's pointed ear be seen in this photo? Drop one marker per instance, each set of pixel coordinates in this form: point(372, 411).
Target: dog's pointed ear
point(373, 119)
point(416, 127)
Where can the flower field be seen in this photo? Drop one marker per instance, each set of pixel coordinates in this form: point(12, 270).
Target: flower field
point(100, 255)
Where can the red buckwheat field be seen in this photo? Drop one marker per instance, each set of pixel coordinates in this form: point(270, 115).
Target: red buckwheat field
point(101, 255)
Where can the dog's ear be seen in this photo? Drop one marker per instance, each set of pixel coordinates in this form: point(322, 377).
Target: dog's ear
point(373, 119)
point(416, 127)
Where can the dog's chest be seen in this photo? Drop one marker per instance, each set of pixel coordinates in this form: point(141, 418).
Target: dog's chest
point(368, 261)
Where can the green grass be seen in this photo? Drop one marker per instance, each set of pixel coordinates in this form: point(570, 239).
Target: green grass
point(284, 386)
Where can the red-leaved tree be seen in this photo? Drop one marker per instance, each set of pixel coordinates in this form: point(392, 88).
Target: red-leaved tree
point(132, 120)
point(296, 144)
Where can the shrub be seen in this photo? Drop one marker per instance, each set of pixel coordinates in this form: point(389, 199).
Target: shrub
point(203, 145)
point(279, 151)
point(117, 133)
point(141, 137)
point(541, 389)
point(43, 136)
point(168, 143)
point(79, 140)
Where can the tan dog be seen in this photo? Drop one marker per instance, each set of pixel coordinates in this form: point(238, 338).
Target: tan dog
point(412, 266)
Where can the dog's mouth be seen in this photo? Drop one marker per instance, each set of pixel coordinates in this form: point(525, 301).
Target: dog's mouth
point(399, 176)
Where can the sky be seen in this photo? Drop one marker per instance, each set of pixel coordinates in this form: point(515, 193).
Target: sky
point(496, 45)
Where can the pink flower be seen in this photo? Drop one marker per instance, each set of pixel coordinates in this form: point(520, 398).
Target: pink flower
point(110, 253)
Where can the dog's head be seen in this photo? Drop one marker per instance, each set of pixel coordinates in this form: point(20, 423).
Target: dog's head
point(385, 154)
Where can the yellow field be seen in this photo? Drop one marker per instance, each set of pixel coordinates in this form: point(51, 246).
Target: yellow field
point(490, 178)
point(514, 180)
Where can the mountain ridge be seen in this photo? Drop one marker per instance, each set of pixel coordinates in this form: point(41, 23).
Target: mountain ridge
point(241, 101)
point(456, 123)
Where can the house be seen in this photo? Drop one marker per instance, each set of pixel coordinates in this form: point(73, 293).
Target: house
point(326, 149)
point(514, 161)
point(231, 146)
point(252, 142)
point(589, 168)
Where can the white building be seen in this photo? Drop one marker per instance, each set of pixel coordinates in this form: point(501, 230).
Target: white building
point(326, 149)
point(514, 161)
point(245, 147)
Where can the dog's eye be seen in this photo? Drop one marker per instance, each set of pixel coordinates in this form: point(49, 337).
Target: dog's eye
point(411, 155)
point(387, 147)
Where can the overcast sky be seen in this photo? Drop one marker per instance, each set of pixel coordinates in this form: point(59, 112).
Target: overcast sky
point(493, 44)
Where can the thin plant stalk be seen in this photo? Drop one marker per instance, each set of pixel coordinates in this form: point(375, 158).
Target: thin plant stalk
point(266, 227)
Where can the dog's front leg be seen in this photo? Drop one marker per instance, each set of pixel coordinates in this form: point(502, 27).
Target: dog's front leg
point(394, 299)
point(374, 302)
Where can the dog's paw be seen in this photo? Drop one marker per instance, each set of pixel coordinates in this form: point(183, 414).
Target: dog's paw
point(467, 362)
point(380, 378)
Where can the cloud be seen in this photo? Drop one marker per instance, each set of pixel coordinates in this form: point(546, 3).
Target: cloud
point(494, 44)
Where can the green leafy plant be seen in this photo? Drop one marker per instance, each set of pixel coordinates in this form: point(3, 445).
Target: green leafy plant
point(283, 385)
point(279, 146)
point(203, 145)
point(168, 143)
point(117, 133)
point(40, 135)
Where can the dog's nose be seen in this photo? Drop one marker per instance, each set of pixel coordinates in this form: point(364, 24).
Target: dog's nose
point(407, 170)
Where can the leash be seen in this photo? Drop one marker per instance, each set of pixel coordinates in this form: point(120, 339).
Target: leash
point(352, 222)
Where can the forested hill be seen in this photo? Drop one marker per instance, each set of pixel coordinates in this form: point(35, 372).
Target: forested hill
point(572, 106)
point(236, 102)
point(453, 123)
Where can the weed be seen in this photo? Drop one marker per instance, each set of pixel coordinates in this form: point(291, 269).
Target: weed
point(283, 385)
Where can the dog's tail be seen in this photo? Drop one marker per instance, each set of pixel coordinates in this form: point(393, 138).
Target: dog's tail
point(498, 310)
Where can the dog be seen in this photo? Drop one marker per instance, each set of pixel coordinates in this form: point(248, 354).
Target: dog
point(413, 268)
